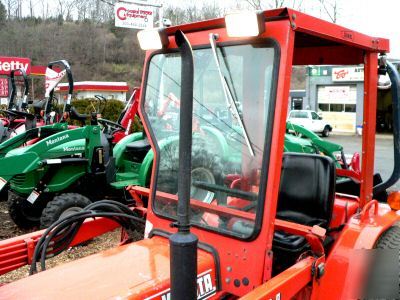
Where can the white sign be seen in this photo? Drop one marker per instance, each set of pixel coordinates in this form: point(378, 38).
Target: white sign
point(348, 74)
point(130, 15)
point(337, 93)
point(52, 79)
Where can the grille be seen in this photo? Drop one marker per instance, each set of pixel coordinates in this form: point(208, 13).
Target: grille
point(18, 179)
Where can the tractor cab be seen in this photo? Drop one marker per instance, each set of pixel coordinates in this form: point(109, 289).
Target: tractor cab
point(230, 214)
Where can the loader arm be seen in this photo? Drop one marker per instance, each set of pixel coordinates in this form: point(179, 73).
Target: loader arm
point(21, 139)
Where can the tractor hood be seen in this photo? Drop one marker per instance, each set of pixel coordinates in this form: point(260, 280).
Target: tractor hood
point(135, 271)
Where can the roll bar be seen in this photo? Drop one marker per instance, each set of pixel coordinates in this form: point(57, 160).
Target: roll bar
point(67, 105)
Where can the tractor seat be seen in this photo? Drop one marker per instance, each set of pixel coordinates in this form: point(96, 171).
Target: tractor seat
point(306, 196)
point(138, 146)
point(137, 150)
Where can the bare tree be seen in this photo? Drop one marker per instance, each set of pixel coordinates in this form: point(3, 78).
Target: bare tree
point(277, 3)
point(331, 8)
point(255, 4)
point(11, 8)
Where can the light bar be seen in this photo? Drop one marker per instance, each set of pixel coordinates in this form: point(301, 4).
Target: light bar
point(244, 24)
point(152, 39)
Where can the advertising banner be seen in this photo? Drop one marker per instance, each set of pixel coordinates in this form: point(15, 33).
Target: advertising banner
point(7, 64)
point(130, 15)
point(348, 74)
point(52, 79)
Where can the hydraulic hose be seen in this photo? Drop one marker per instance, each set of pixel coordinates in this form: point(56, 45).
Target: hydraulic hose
point(61, 233)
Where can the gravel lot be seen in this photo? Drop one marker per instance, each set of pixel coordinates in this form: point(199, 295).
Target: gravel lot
point(9, 229)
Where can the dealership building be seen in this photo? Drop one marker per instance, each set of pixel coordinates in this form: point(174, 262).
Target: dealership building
point(336, 93)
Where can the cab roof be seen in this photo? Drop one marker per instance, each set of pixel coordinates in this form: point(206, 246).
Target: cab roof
point(310, 31)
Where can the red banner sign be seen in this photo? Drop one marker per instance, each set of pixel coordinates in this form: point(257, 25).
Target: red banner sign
point(7, 64)
point(3, 87)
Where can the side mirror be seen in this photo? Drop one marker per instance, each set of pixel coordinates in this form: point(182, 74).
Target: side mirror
point(319, 118)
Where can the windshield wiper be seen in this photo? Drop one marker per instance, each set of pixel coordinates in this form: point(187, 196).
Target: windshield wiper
point(230, 102)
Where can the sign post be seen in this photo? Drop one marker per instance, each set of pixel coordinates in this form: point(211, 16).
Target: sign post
point(136, 14)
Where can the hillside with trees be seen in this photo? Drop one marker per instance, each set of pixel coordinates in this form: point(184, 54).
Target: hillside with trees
point(83, 32)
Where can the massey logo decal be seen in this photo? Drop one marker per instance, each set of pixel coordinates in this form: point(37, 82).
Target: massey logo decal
point(56, 140)
point(205, 288)
point(68, 149)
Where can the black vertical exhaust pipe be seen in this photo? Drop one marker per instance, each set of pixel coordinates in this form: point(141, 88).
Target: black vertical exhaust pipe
point(395, 80)
point(183, 244)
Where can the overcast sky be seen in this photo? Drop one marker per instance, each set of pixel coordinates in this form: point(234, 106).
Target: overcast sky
point(378, 18)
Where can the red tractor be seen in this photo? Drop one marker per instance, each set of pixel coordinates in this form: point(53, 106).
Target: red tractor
point(273, 226)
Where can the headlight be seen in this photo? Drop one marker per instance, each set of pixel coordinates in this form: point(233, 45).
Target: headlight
point(152, 39)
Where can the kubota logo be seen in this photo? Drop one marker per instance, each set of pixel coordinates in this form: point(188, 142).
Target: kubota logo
point(205, 288)
point(56, 140)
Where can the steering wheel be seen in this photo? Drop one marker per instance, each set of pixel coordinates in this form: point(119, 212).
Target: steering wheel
point(16, 113)
point(108, 123)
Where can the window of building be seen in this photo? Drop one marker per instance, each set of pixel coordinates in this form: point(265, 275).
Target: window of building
point(337, 107)
point(323, 107)
point(350, 108)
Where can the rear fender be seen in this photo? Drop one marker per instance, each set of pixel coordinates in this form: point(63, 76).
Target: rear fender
point(119, 148)
point(345, 264)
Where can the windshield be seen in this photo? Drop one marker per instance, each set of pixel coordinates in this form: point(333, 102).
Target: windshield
point(225, 174)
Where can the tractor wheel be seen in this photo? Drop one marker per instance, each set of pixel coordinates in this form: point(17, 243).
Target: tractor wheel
point(23, 213)
point(62, 206)
point(382, 281)
point(326, 132)
point(390, 239)
point(206, 167)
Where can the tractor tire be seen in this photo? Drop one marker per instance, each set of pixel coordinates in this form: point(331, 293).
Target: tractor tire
point(205, 167)
point(390, 239)
point(23, 213)
point(62, 206)
point(326, 132)
point(382, 281)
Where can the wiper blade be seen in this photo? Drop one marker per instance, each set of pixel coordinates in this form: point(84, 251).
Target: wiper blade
point(230, 102)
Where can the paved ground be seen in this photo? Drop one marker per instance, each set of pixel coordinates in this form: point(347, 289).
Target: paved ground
point(383, 152)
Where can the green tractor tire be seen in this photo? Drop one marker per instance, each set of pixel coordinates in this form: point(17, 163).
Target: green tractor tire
point(205, 167)
point(23, 213)
point(62, 206)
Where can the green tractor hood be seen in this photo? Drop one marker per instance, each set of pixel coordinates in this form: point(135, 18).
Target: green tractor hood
point(30, 158)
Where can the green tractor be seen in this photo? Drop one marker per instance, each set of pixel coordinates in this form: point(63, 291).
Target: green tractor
point(66, 171)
